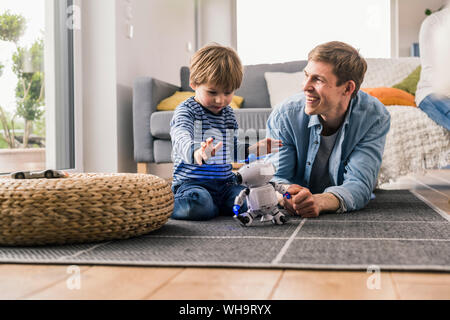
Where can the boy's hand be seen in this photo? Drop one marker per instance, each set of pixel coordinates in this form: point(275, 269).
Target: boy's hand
point(265, 146)
point(206, 151)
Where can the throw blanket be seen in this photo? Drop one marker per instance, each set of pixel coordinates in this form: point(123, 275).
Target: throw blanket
point(414, 143)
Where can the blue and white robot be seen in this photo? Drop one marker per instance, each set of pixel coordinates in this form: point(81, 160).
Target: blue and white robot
point(260, 193)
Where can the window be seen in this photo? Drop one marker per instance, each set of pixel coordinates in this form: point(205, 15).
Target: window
point(36, 81)
point(271, 31)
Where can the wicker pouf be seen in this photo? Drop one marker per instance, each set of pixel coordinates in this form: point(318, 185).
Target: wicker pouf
point(84, 207)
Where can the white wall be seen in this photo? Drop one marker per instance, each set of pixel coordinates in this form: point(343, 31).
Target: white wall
point(111, 62)
point(411, 13)
point(99, 87)
point(162, 31)
point(217, 22)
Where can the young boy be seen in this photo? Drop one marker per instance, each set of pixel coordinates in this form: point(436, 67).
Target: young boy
point(204, 138)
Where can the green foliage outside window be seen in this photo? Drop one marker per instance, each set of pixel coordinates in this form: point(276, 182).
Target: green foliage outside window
point(27, 66)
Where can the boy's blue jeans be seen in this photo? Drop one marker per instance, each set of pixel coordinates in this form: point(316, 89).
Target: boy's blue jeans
point(205, 199)
point(438, 109)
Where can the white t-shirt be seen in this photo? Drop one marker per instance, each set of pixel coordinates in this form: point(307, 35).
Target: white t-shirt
point(434, 39)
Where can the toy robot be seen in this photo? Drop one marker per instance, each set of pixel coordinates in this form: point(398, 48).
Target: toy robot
point(260, 193)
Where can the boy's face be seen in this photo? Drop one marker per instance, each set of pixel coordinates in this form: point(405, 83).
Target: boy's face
point(211, 97)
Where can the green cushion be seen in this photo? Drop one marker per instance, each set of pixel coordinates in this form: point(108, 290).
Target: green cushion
point(409, 84)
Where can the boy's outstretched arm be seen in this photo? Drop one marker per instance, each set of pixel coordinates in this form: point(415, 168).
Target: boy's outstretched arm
point(206, 151)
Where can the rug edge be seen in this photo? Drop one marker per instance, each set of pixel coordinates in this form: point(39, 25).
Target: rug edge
point(290, 266)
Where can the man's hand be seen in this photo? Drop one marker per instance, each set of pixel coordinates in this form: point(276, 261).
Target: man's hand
point(302, 202)
point(206, 151)
point(265, 146)
point(307, 205)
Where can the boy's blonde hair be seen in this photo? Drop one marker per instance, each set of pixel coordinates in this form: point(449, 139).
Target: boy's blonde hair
point(347, 63)
point(217, 65)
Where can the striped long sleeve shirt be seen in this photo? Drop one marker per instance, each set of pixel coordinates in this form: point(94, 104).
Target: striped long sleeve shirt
point(190, 126)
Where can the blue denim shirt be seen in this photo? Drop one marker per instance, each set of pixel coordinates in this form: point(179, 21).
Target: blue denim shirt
point(356, 157)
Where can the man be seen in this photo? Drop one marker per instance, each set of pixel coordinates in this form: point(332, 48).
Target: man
point(333, 135)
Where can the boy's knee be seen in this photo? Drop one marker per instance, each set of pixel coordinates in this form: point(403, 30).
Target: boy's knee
point(194, 204)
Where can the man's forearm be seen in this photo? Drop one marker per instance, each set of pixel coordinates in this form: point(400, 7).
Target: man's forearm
point(326, 202)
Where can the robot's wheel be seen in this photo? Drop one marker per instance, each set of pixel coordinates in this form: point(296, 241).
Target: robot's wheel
point(279, 219)
point(244, 219)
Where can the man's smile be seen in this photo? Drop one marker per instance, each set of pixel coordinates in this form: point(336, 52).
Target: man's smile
point(311, 99)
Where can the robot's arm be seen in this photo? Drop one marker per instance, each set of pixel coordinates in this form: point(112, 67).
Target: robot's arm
point(281, 188)
point(240, 200)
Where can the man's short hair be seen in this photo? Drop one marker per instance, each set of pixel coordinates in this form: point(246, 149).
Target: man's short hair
point(347, 63)
point(217, 65)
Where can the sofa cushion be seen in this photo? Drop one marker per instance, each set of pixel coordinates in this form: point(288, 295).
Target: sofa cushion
point(184, 77)
point(253, 87)
point(387, 72)
point(170, 103)
point(282, 85)
point(247, 119)
point(409, 84)
point(160, 124)
point(163, 150)
point(391, 96)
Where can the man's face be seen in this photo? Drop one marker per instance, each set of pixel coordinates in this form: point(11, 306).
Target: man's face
point(323, 97)
point(212, 97)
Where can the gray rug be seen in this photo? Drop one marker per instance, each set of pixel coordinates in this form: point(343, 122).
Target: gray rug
point(396, 231)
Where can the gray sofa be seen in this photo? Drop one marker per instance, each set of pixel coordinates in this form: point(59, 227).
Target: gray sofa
point(151, 128)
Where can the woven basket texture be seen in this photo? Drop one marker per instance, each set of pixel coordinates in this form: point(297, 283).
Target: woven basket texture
point(85, 207)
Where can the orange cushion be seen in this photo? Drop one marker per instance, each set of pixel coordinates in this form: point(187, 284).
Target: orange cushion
point(391, 96)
